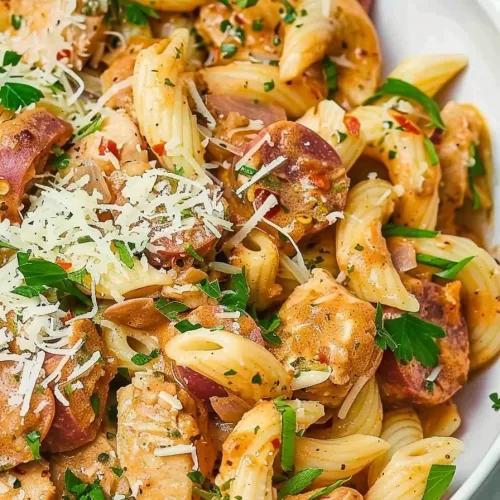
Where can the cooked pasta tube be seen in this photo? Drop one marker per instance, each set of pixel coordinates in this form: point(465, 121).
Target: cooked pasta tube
point(174, 5)
point(481, 284)
point(306, 39)
point(440, 420)
point(262, 82)
point(400, 428)
point(162, 107)
point(405, 153)
point(362, 252)
point(242, 366)
point(429, 72)
point(259, 256)
point(248, 454)
point(306, 412)
point(357, 47)
point(339, 458)
point(364, 416)
point(327, 119)
point(405, 477)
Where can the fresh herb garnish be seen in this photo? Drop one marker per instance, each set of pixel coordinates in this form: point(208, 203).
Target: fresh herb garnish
point(118, 471)
point(394, 86)
point(246, 3)
point(96, 404)
point(438, 480)
point(140, 359)
point(61, 158)
point(81, 490)
point(328, 489)
point(94, 126)
point(124, 253)
point(248, 171)
point(191, 251)
point(16, 21)
point(415, 338)
point(33, 440)
point(11, 58)
point(258, 25)
point(450, 267)
point(268, 86)
point(168, 82)
point(236, 298)
point(228, 50)
point(288, 426)
point(476, 170)
point(299, 482)
point(431, 151)
point(382, 337)
point(186, 326)
point(331, 76)
point(5, 244)
point(290, 14)
point(171, 309)
point(210, 288)
point(495, 399)
point(28, 291)
point(138, 14)
point(408, 232)
point(257, 379)
point(268, 328)
point(18, 95)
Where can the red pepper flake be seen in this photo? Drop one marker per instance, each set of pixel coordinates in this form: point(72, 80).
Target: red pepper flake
point(68, 316)
point(352, 125)
point(159, 149)
point(108, 146)
point(276, 443)
point(407, 125)
point(261, 196)
point(65, 265)
point(321, 181)
point(62, 54)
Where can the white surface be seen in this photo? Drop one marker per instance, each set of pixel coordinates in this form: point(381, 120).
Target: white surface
point(471, 27)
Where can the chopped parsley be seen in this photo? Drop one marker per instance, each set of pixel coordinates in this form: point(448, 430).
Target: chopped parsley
point(171, 309)
point(186, 326)
point(258, 25)
point(33, 441)
point(438, 481)
point(257, 379)
point(169, 82)
point(236, 298)
point(11, 58)
point(16, 21)
point(288, 426)
point(431, 151)
point(495, 399)
point(81, 490)
point(228, 50)
point(124, 253)
point(248, 171)
point(298, 483)
point(289, 14)
point(141, 359)
point(210, 288)
point(18, 95)
point(268, 86)
point(476, 170)
point(331, 76)
point(268, 328)
point(246, 3)
point(96, 404)
point(138, 14)
point(191, 251)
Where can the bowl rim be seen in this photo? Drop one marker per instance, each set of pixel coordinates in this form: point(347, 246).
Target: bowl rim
point(492, 457)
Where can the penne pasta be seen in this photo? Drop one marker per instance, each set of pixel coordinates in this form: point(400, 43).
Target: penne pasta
point(173, 5)
point(440, 420)
point(362, 252)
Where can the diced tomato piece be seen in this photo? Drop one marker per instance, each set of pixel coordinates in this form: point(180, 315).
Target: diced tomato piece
point(108, 146)
point(65, 265)
point(69, 315)
point(261, 196)
point(276, 443)
point(321, 181)
point(407, 124)
point(62, 54)
point(159, 149)
point(352, 124)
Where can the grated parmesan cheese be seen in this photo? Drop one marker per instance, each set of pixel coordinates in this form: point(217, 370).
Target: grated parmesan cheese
point(172, 400)
point(244, 159)
point(179, 449)
point(262, 172)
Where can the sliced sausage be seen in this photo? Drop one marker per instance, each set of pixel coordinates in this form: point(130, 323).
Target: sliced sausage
point(310, 182)
point(25, 143)
point(14, 449)
point(78, 423)
point(406, 383)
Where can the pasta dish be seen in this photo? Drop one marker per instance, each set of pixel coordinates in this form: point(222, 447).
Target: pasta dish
point(235, 262)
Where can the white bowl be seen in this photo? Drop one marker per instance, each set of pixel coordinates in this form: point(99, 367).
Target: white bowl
point(471, 27)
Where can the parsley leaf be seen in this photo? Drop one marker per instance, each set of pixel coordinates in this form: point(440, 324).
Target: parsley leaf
point(210, 288)
point(382, 337)
point(16, 21)
point(328, 489)
point(431, 151)
point(81, 490)
point(18, 95)
point(228, 50)
point(237, 296)
point(415, 338)
point(96, 404)
point(33, 441)
point(393, 86)
point(5, 244)
point(268, 328)
point(124, 253)
point(438, 480)
point(11, 58)
point(290, 14)
point(95, 125)
point(495, 400)
point(170, 309)
point(141, 359)
point(138, 14)
point(28, 291)
point(476, 170)
point(39, 272)
point(331, 74)
point(246, 3)
point(408, 232)
point(191, 251)
point(186, 326)
point(299, 482)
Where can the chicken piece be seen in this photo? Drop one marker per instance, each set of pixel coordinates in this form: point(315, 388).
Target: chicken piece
point(309, 181)
point(14, 449)
point(25, 143)
point(118, 145)
point(406, 383)
point(29, 481)
point(338, 494)
point(78, 423)
point(156, 430)
point(121, 69)
point(322, 323)
point(463, 127)
point(93, 462)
